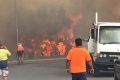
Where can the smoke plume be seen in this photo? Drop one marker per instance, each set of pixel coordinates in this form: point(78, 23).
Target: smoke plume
point(46, 18)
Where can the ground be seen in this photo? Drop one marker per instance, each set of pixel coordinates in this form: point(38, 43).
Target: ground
point(45, 69)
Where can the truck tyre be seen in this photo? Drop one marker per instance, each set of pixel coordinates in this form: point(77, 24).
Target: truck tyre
point(115, 78)
point(96, 73)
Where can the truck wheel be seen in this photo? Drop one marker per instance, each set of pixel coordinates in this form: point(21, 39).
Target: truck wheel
point(115, 78)
point(96, 73)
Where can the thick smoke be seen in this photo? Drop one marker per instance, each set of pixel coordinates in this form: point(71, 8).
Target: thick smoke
point(46, 18)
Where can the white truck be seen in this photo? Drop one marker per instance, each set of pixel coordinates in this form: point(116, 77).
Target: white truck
point(104, 44)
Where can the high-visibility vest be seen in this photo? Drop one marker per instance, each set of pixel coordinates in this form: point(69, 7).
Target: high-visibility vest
point(20, 48)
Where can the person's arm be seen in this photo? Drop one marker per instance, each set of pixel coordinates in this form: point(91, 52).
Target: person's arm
point(91, 66)
point(89, 61)
point(8, 53)
point(68, 65)
point(68, 61)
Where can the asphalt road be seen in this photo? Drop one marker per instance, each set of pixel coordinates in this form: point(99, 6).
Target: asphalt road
point(44, 70)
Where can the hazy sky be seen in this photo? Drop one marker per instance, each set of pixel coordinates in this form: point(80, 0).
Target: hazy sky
point(49, 17)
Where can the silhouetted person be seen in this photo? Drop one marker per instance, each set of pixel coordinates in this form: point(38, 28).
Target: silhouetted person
point(20, 53)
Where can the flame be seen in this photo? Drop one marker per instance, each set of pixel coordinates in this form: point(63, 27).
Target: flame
point(59, 45)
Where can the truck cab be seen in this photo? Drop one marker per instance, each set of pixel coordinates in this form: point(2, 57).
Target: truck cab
point(104, 44)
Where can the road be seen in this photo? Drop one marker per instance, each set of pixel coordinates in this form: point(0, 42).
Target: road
point(44, 70)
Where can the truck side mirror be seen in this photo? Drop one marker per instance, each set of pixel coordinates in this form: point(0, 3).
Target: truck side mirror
point(92, 34)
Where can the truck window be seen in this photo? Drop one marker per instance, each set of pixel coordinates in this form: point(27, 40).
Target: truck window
point(110, 34)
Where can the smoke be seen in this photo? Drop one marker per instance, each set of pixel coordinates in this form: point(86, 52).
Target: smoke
point(46, 18)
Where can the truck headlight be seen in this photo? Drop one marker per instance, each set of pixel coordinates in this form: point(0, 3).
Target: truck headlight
point(103, 55)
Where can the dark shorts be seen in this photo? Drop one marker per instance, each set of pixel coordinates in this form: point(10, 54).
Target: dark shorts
point(20, 53)
point(79, 76)
point(3, 65)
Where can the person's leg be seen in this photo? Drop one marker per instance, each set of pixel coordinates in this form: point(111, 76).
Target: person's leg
point(21, 59)
point(18, 55)
point(5, 74)
point(75, 76)
point(79, 76)
point(18, 59)
point(5, 77)
point(0, 72)
point(83, 76)
point(4, 69)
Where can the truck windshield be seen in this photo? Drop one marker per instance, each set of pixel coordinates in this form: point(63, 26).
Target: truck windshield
point(109, 35)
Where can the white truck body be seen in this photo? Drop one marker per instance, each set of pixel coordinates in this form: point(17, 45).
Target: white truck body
point(113, 46)
point(104, 43)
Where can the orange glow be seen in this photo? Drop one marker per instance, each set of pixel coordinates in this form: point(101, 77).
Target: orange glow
point(61, 48)
point(58, 45)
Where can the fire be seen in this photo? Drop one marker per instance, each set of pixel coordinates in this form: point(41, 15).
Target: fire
point(59, 45)
point(61, 48)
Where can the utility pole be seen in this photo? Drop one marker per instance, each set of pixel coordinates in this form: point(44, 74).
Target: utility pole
point(16, 23)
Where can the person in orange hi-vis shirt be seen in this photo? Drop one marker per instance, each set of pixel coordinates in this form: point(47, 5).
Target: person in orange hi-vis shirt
point(77, 58)
point(20, 53)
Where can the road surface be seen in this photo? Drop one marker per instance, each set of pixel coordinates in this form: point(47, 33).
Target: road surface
point(44, 70)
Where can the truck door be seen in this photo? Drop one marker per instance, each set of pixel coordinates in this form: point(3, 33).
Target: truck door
point(91, 41)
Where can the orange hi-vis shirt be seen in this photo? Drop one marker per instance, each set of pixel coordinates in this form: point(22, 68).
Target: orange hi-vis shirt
point(78, 58)
point(20, 47)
